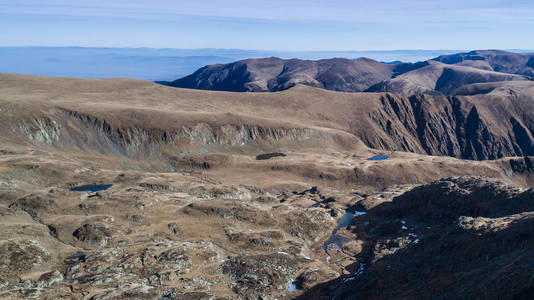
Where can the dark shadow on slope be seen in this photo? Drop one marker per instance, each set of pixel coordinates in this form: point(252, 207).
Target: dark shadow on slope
point(474, 240)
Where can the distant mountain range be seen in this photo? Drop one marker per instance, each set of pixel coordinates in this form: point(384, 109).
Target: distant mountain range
point(443, 74)
point(160, 64)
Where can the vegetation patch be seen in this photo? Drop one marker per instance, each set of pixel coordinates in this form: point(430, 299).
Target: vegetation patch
point(269, 155)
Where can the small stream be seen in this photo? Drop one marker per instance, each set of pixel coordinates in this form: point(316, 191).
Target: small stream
point(336, 241)
point(344, 221)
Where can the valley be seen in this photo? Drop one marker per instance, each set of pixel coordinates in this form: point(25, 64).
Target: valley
point(301, 193)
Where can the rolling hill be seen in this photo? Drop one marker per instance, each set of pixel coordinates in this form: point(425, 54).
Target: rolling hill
point(275, 74)
point(441, 75)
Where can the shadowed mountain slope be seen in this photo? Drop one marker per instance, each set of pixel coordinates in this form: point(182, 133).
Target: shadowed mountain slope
point(463, 237)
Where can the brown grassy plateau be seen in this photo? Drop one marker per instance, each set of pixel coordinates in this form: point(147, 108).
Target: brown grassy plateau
point(191, 213)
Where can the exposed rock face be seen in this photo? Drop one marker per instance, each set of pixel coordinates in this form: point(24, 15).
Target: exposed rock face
point(50, 278)
point(310, 226)
point(130, 140)
point(44, 130)
point(94, 233)
point(34, 204)
point(477, 121)
point(459, 126)
point(19, 256)
point(486, 125)
point(257, 276)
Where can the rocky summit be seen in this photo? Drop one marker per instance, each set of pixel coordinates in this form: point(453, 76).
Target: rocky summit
point(272, 179)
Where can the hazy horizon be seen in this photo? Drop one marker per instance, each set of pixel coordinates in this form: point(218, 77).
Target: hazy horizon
point(298, 25)
point(165, 40)
point(160, 64)
point(164, 64)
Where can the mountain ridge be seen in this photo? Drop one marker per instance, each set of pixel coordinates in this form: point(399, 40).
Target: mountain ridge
point(479, 122)
point(442, 74)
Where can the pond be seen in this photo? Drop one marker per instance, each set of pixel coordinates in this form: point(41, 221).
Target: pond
point(378, 157)
point(337, 240)
point(92, 188)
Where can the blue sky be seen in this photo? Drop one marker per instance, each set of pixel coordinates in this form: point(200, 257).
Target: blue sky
point(286, 25)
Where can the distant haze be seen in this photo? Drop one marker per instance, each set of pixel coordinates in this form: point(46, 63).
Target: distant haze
point(160, 64)
point(288, 25)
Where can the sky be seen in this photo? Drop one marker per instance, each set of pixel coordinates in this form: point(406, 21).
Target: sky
point(284, 25)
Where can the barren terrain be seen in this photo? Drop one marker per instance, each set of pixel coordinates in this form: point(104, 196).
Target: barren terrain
point(194, 213)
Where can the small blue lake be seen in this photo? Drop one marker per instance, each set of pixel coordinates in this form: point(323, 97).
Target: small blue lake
point(345, 221)
point(92, 188)
point(378, 157)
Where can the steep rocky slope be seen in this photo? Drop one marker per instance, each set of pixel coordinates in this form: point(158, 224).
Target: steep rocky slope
point(478, 122)
point(457, 237)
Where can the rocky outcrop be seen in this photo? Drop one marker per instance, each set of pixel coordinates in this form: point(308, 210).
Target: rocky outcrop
point(261, 276)
point(238, 212)
point(94, 233)
point(19, 256)
point(447, 199)
point(476, 127)
point(34, 204)
point(130, 139)
point(478, 121)
point(441, 240)
point(44, 130)
point(456, 126)
point(310, 226)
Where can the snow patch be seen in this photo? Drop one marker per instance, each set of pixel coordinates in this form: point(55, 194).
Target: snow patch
point(292, 288)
